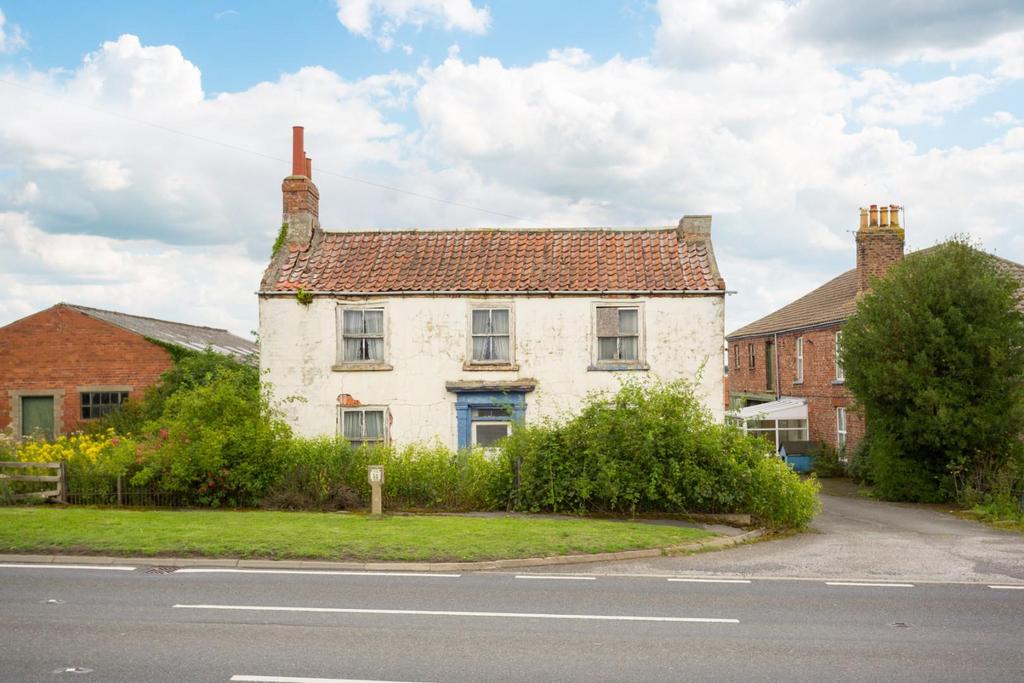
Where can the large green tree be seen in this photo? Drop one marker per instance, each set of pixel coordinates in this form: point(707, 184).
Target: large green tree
point(935, 357)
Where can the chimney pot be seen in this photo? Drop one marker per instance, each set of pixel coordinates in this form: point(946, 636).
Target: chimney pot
point(883, 217)
point(873, 212)
point(298, 151)
point(309, 168)
point(894, 215)
point(863, 218)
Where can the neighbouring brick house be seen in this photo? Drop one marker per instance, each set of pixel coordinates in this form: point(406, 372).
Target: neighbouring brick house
point(450, 335)
point(788, 360)
point(69, 364)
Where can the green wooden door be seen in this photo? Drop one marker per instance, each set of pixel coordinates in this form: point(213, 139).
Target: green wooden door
point(37, 416)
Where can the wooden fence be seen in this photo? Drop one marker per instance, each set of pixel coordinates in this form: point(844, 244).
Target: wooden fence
point(60, 478)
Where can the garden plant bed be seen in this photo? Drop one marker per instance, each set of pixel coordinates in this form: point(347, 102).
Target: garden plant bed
point(326, 536)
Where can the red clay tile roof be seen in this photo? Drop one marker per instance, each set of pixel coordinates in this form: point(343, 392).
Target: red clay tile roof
point(836, 300)
point(551, 260)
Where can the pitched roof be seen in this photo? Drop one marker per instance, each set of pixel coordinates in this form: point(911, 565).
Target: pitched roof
point(836, 300)
point(179, 334)
point(500, 260)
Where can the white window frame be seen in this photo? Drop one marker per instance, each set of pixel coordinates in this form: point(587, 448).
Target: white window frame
point(385, 438)
point(641, 333)
point(500, 305)
point(799, 360)
point(339, 325)
point(475, 423)
point(840, 370)
point(841, 433)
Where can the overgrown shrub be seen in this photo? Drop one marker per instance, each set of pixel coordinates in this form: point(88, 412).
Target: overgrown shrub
point(827, 463)
point(329, 473)
point(93, 461)
point(218, 441)
point(653, 448)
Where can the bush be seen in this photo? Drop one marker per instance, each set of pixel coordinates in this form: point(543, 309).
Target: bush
point(329, 473)
point(827, 463)
point(653, 448)
point(94, 461)
point(218, 442)
point(935, 355)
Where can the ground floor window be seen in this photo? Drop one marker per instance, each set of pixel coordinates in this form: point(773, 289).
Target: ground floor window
point(841, 433)
point(487, 433)
point(485, 414)
point(100, 403)
point(362, 426)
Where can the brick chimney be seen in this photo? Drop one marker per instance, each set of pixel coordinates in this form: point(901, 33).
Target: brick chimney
point(695, 227)
point(301, 198)
point(879, 243)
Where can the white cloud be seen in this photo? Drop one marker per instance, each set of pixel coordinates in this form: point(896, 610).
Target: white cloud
point(11, 39)
point(380, 19)
point(1003, 118)
point(768, 134)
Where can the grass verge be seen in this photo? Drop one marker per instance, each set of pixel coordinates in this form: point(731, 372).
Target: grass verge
point(325, 536)
point(997, 519)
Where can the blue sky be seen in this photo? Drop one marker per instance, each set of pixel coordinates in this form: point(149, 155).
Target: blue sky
point(780, 117)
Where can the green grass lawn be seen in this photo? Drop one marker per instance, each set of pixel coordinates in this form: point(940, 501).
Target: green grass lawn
point(261, 534)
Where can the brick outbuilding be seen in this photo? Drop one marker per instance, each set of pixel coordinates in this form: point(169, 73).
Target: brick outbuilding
point(69, 364)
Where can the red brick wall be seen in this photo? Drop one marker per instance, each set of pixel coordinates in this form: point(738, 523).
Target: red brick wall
point(819, 386)
point(62, 349)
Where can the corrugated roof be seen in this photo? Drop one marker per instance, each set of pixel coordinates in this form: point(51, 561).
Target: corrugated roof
point(836, 300)
point(179, 334)
point(501, 260)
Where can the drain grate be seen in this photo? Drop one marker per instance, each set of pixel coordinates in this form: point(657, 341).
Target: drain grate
point(161, 570)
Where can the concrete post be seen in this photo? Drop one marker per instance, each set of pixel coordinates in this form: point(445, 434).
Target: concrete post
point(376, 476)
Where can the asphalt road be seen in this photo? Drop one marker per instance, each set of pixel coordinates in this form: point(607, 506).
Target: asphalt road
point(217, 625)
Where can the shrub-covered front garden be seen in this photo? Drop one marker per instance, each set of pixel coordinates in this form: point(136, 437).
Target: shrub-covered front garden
point(209, 437)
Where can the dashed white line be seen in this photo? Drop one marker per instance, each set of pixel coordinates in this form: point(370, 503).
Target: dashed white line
point(711, 580)
point(555, 577)
point(304, 679)
point(108, 568)
point(869, 585)
point(440, 613)
point(1008, 588)
point(310, 572)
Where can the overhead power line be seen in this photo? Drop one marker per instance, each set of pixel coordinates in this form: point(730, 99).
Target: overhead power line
point(245, 150)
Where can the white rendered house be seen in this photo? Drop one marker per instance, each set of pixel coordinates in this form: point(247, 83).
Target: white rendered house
point(450, 335)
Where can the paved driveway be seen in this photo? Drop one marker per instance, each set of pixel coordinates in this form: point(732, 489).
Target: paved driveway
point(860, 538)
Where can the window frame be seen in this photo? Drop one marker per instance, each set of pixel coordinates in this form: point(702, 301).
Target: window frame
point(736, 361)
point(799, 350)
point(842, 431)
point(123, 395)
point(385, 437)
point(640, 362)
point(752, 356)
point(489, 423)
point(340, 363)
point(471, 362)
point(837, 349)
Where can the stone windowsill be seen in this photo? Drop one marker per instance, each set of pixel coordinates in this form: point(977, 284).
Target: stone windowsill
point(839, 381)
point(798, 383)
point(487, 367)
point(362, 367)
point(618, 367)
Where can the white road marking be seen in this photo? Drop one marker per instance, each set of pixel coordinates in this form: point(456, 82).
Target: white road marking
point(109, 568)
point(869, 585)
point(1008, 588)
point(556, 577)
point(441, 613)
point(311, 572)
point(712, 580)
point(303, 679)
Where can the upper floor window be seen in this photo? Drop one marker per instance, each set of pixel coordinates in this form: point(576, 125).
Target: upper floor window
point(799, 359)
point(100, 403)
point(618, 333)
point(840, 371)
point(736, 356)
point(752, 355)
point(363, 335)
point(492, 336)
point(364, 425)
